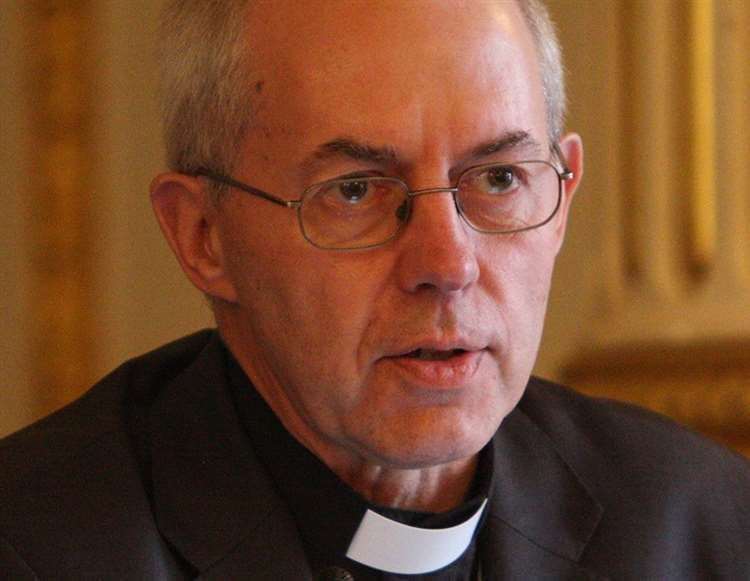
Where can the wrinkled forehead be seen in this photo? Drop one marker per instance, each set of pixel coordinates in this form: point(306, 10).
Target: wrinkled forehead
point(381, 59)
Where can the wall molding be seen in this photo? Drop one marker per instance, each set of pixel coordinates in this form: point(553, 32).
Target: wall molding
point(701, 385)
point(703, 238)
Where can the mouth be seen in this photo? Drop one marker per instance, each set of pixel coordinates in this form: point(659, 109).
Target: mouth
point(442, 369)
point(434, 354)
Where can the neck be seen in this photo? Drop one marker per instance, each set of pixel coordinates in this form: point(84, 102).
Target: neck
point(432, 489)
point(436, 488)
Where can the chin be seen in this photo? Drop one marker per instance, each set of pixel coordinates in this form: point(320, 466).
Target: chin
point(442, 444)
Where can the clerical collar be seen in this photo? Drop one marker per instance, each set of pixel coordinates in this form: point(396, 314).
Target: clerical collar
point(330, 513)
point(388, 545)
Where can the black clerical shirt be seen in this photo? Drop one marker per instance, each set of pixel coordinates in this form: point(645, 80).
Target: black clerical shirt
point(326, 510)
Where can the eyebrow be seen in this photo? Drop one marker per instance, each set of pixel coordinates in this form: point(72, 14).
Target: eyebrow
point(352, 149)
point(513, 141)
point(386, 155)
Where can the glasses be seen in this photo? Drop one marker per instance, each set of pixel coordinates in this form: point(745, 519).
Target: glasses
point(359, 212)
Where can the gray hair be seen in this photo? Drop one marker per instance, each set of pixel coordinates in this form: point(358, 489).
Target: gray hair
point(206, 94)
point(550, 63)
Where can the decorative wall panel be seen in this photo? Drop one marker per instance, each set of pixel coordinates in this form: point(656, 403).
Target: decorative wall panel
point(58, 192)
point(674, 331)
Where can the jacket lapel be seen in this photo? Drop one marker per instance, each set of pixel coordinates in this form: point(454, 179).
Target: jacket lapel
point(213, 501)
point(541, 515)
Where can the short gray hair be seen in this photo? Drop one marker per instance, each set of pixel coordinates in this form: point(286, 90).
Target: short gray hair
point(550, 63)
point(206, 92)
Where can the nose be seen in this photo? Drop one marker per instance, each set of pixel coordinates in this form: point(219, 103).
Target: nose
point(437, 248)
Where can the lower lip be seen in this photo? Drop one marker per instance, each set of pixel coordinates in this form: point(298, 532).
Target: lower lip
point(446, 374)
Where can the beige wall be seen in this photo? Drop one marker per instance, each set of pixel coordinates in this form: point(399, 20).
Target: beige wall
point(136, 296)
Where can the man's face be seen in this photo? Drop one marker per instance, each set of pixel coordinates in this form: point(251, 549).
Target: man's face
point(329, 337)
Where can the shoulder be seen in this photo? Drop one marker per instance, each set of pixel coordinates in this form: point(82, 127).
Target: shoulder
point(107, 411)
point(657, 481)
point(582, 425)
point(72, 480)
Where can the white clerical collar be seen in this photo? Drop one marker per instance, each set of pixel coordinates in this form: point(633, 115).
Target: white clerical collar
point(391, 546)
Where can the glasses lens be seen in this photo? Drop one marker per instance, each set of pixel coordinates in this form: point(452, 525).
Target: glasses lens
point(509, 197)
point(353, 213)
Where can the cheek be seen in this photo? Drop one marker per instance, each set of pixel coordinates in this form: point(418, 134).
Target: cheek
point(519, 284)
point(519, 271)
point(307, 310)
point(532, 289)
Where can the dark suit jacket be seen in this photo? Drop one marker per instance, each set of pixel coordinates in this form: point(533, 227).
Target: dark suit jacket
point(150, 476)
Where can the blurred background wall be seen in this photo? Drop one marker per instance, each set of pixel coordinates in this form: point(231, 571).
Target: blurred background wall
point(650, 300)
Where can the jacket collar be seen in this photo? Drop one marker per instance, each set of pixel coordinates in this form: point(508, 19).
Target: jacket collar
point(216, 505)
point(541, 515)
point(213, 501)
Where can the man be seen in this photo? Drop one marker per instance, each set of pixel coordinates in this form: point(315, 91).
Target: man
point(372, 196)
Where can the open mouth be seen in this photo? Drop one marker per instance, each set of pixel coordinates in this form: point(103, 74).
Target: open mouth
point(433, 369)
point(434, 354)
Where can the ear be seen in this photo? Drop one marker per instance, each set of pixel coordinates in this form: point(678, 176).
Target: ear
point(189, 221)
point(571, 147)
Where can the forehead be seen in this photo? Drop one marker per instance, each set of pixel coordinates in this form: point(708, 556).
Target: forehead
point(395, 71)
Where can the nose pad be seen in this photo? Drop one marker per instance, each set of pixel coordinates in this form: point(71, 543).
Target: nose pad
point(456, 205)
point(402, 212)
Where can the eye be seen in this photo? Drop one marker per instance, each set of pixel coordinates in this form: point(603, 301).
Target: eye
point(354, 191)
point(501, 178)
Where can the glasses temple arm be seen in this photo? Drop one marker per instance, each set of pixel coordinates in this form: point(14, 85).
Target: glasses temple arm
point(227, 181)
point(566, 173)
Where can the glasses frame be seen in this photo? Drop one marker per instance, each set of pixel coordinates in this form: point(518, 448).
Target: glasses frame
point(563, 175)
